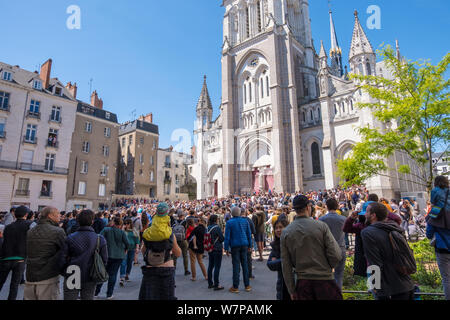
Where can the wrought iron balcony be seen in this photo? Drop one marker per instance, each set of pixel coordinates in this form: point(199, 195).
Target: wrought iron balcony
point(13, 165)
point(51, 144)
point(46, 194)
point(22, 193)
point(55, 120)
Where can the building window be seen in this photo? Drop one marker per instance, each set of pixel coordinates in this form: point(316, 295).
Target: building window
point(101, 190)
point(124, 141)
point(177, 179)
point(56, 114)
point(247, 22)
point(107, 115)
point(152, 178)
point(4, 100)
point(86, 147)
point(88, 127)
point(304, 116)
point(315, 155)
point(141, 172)
point(23, 187)
point(105, 151)
point(107, 132)
point(46, 189)
point(50, 162)
point(37, 84)
point(130, 140)
point(152, 160)
point(245, 93)
point(351, 104)
point(177, 190)
point(311, 115)
point(52, 140)
point(369, 70)
point(84, 167)
point(104, 170)
point(204, 119)
point(262, 88)
point(154, 144)
point(250, 92)
point(360, 68)
point(141, 158)
point(2, 128)
point(82, 188)
point(267, 86)
point(141, 140)
point(34, 106)
point(30, 136)
point(258, 8)
point(58, 91)
point(318, 113)
point(7, 76)
point(167, 162)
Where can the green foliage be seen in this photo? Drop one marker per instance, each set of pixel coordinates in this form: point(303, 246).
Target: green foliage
point(413, 115)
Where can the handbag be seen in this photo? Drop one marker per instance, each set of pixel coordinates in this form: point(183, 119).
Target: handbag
point(98, 271)
point(436, 211)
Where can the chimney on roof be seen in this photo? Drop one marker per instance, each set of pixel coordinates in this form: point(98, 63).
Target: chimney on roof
point(147, 118)
point(72, 89)
point(96, 101)
point(46, 70)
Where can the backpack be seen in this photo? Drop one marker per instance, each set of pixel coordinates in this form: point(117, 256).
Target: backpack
point(98, 271)
point(158, 252)
point(207, 242)
point(436, 211)
point(404, 261)
point(179, 232)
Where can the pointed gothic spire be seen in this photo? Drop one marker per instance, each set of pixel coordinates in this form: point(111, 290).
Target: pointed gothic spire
point(323, 53)
point(334, 41)
point(204, 102)
point(335, 51)
point(360, 42)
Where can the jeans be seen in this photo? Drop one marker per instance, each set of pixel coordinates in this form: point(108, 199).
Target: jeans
point(215, 262)
point(443, 261)
point(184, 251)
point(86, 292)
point(249, 264)
point(239, 258)
point(339, 270)
point(17, 267)
point(112, 268)
point(127, 264)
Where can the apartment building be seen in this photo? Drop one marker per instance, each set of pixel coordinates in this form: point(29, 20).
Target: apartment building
point(139, 140)
point(94, 157)
point(37, 119)
point(172, 174)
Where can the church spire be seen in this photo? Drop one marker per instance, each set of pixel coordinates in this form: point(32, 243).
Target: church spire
point(335, 51)
point(204, 102)
point(360, 42)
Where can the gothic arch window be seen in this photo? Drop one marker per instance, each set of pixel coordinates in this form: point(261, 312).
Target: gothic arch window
point(262, 87)
point(269, 116)
point(318, 113)
point(311, 115)
point(351, 104)
point(369, 70)
point(360, 68)
point(267, 86)
point(250, 92)
point(304, 116)
point(315, 157)
point(245, 93)
point(247, 22)
point(335, 109)
point(258, 8)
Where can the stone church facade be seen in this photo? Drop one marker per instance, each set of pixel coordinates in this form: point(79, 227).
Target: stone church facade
point(287, 115)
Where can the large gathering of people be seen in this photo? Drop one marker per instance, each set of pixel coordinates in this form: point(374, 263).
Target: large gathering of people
point(307, 234)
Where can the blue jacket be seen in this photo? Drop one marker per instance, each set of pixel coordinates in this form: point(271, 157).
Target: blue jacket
point(237, 233)
point(438, 197)
point(79, 249)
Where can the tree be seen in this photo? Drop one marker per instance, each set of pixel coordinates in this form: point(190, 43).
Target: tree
point(413, 113)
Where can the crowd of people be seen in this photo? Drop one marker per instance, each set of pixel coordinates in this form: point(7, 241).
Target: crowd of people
point(307, 235)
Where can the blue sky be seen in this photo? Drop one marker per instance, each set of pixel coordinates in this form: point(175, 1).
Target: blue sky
point(150, 56)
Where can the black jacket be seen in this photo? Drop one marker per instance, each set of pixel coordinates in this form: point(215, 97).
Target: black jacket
point(275, 265)
point(15, 239)
point(199, 233)
point(99, 225)
point(379, 252)
point(45, 243)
